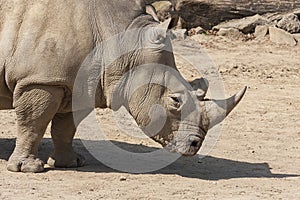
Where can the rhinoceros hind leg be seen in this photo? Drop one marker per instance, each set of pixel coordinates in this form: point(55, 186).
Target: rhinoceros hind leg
point(63, 130)
point(35, 108)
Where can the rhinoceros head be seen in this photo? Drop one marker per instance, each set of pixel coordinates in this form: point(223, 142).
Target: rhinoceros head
point(179, 120)
point(169, 109)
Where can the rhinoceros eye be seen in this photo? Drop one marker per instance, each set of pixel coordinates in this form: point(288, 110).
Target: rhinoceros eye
point(176, 101)
point(160, 39)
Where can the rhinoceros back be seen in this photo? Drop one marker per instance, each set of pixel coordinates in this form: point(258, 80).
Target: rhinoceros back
point(46, 41)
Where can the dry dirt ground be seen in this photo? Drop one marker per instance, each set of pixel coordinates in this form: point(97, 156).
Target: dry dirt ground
point(257, 155)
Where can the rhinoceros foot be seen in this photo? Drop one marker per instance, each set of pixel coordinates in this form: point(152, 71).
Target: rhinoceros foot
point(27, 165)
point(66, 160)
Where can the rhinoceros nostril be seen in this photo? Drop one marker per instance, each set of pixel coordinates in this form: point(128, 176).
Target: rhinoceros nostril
point(195, 143)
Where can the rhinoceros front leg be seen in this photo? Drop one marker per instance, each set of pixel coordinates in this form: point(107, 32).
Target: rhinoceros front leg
point(62, 131)
point(35, 108)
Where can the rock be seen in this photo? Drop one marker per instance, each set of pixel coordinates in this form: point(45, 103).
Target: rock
point(297, 37)
point(152, 11)
point(245, 25)
point(232, 33)
point(273, 17)
point(195, 31)
point(261, 31)
point(289, 23)
point(164, 9)
point(297, 12)
point(178, 34)
point(181, 23)
point(280, 36)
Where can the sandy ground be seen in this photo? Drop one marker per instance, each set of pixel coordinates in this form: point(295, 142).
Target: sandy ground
point(257, 155)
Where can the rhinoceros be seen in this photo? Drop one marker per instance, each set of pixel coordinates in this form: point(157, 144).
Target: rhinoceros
point(45, 43)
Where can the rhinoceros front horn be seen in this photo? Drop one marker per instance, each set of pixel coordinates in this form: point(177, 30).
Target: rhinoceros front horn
point(217, 110)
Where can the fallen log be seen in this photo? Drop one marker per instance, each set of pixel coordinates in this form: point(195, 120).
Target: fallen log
point(208, 13)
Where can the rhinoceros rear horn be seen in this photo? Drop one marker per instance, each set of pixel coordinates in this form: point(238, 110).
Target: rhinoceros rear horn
point(217, 110)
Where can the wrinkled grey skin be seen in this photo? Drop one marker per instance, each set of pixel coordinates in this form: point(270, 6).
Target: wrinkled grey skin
point(42, 46)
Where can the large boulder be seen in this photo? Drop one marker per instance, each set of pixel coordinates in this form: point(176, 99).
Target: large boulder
point(164, 9)
point(289, 23)
point(280, 36)
point(261, 31)
point(245, 25)
point(297, 37)
point(231, 33)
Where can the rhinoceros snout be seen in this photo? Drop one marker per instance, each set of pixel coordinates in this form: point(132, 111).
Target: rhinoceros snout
point(193, 145)
point(196, 141)
point(188, 147)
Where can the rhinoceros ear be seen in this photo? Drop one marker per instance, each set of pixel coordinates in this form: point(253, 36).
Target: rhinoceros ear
point(159, 32)
point(152, 11)
point(217, 110)
point(164, 26)
point(200, 86)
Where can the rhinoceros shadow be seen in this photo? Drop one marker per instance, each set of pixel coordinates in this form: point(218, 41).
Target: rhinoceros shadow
point(208, 168)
